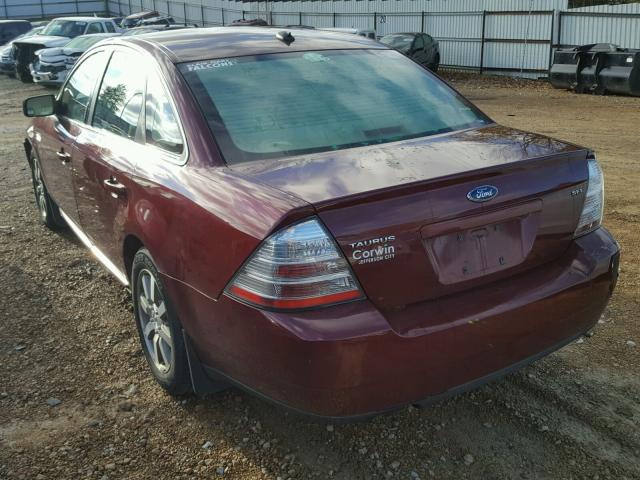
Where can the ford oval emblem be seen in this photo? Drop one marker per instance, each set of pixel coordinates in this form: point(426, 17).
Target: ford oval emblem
point(483, 193)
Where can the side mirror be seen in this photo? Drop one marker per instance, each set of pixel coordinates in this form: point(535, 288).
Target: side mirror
point(40, 106)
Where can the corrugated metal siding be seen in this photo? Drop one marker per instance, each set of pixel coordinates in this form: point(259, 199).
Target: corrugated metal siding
point(518, 42)
point(617, 24)
point(49, 8)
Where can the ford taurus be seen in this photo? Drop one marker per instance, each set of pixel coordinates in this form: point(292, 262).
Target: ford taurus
point(316, 218)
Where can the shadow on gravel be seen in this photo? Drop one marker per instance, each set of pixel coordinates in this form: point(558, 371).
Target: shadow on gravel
point(25, 309)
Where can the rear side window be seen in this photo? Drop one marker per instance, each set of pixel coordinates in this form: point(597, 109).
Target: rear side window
point(95, 27)
point(120, 99)
point(162, 128)
point(76, 94)
point(110, 27)
point(419, 45)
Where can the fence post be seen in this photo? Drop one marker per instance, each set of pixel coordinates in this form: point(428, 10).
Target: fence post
point(559, 44)
point(153, 4)
point(77, 8)
point(222, 14)
point(106, 8)
point(243, 13)
point(422, 22)
point(334, 18)
point(270, 17)
point(42, 7)
point(375, 22)
point(129, 7)
point(184, 12)
point(553, 18)
point(484, 24)
point(299, 18)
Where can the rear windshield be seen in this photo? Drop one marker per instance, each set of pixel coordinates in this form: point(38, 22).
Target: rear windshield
point(276, 105)
point(84, 42)
point(399, 42)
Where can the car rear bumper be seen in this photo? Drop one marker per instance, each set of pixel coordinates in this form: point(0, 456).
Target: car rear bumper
point(354, 360)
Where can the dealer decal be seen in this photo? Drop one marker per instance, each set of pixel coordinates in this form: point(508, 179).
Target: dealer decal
point(209, 64)
point(373, 250)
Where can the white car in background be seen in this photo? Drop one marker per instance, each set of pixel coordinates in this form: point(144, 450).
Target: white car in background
point(56, 34)
point(52, 65)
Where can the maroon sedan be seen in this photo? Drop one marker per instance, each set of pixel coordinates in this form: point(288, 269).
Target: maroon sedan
point(318, 219)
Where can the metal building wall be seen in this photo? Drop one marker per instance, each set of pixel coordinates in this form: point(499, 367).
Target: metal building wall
point(502, 36)
point(617, 24)
point(49, 8)
point(513, 40)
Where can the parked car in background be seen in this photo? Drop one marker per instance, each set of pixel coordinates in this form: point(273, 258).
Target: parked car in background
point(343, 251)
point(160, 20)
point(56, 34)
point(255, 22)
point(420, 47)
point(134, 19)
point(53, 64)
point(154, 28)
point(7, 64)
point(355, 31)
point(10, 29)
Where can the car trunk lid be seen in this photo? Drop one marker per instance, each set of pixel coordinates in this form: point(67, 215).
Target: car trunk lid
point(401, 215)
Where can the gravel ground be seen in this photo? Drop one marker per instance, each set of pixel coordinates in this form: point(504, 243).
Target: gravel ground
point(77, 401)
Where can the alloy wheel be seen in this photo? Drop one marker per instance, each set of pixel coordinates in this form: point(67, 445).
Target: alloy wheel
point(154, 322)
point(40, 190)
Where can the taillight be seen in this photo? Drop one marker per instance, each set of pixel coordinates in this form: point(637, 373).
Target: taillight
point(297, 267)
point(593, 206)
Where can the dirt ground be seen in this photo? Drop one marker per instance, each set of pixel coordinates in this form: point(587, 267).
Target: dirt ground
point(67, 335)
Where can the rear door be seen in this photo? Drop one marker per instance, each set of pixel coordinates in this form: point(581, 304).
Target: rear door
point(57, 146)
point(430, 49)
point(419, 55)
point(107, 153)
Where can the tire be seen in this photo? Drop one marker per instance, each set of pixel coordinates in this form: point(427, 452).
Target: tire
point(49, 211)
point(158, 326)
point(435, 65)
point(23, 74)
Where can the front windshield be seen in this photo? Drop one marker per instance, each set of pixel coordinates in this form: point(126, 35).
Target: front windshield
point(65, 28)
point(32, 32)
point(401, 43)
point(276, 105)
point(84, 42)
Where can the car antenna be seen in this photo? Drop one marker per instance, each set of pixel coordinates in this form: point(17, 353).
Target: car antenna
point(285, 36)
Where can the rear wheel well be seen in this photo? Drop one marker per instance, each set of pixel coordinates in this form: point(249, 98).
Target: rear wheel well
point(131, 245)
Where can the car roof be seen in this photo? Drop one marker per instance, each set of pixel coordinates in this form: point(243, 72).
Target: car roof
point(83, 19)
point(193, 44)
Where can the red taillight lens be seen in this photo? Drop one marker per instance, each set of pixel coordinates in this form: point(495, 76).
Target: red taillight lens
point(297, 267)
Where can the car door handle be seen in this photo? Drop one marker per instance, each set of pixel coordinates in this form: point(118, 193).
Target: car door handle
point(112, 185)
point(63, 156)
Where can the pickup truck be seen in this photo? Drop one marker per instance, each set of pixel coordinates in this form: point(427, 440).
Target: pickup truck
point(56, 34)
